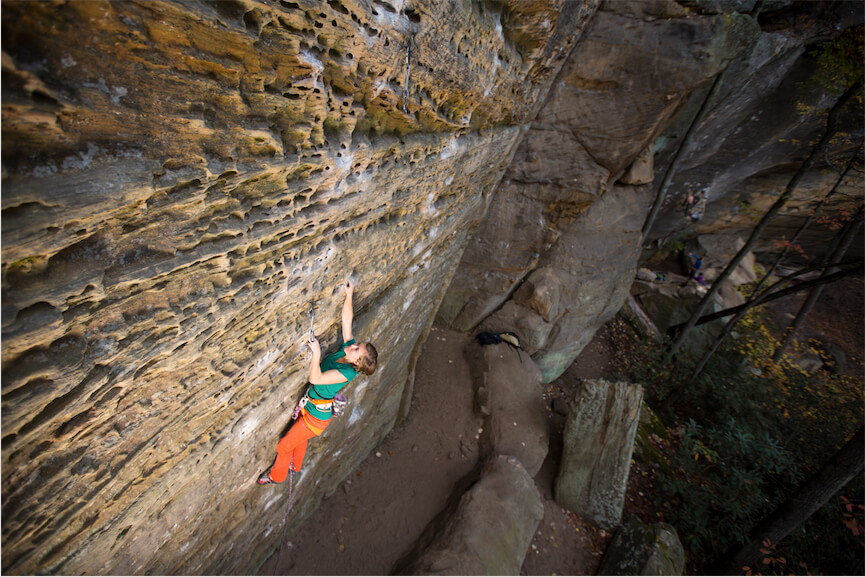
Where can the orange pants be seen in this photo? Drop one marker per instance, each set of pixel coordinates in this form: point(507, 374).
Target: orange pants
point(292, 447)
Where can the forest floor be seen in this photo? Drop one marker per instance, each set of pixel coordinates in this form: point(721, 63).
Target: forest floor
point(376, 515)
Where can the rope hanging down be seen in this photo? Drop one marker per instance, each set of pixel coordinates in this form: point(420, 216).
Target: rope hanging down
point(407, 73)
point(287, 511)
point(294, 417)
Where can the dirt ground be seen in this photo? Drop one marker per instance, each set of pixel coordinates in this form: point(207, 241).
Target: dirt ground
point(379, 512)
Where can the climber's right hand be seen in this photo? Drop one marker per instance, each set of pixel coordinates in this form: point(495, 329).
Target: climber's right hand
point(313, 344)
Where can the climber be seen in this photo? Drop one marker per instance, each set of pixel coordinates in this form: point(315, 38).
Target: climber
point(327, 377)
point(698, 262)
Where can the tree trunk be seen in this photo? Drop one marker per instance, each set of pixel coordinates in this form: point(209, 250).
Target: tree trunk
point(671, 399)
point(816, 151)
point(813, 494)
point(848, 233)
point(768, 297)
point(850, 164)
point(671, 170)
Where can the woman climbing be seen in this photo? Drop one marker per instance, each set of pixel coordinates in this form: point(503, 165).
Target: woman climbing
point(327, 378)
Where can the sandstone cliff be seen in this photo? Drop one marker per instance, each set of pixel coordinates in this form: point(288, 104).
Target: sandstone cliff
point(757, 129)
point(180, 182)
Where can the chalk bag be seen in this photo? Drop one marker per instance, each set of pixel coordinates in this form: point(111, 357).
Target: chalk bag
point(298, 408)
point(339, 403)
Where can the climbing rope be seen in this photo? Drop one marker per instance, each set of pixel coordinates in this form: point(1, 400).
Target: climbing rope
point(294, 417)
point(287, 511)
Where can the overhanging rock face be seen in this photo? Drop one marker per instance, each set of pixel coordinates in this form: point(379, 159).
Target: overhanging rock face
point(564, 234)
point(180, 181)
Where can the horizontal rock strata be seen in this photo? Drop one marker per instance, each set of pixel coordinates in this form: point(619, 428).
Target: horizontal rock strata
point(182, 180)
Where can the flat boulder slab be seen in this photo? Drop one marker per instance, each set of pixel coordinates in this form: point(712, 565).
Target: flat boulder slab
point(633, 313)
point(598, 444)
point(667, 309)
point(641, 549)
point(509, 393)
point(491, 528)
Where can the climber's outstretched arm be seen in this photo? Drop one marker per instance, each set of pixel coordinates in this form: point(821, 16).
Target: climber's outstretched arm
point(348, 312)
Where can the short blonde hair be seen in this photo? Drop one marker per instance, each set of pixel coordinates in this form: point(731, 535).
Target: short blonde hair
point(366, 363)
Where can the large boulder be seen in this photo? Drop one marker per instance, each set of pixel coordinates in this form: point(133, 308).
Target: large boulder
point(580, 282)
point(641, 549)
point(598, 443)
point(510, 396)
point(490, 530)
point(668, 305)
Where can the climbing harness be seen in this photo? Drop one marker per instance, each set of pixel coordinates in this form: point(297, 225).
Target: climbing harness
point(336, 404)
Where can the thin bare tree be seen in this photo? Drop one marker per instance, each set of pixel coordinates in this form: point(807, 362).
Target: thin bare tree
point(850, 269)
point(816, 152)
point(809, 498)
point(848, 235)
point(754, 298)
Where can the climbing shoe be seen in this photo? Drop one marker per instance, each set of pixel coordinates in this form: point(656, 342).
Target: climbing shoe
point(264, 479)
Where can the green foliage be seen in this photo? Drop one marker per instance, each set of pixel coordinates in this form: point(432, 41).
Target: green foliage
point(750, 212)
point(826, 544)
point(649, 365)
point(727, 475)
point(672, 245)
point(744, 436)
point(839, 61)
point(839, 66)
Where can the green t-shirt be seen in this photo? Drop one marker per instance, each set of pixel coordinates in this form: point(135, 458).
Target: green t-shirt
point(327, 392)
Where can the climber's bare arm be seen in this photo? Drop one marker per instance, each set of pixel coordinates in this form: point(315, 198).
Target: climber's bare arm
point(348, 312)
point(331, 377)
point(316, 377)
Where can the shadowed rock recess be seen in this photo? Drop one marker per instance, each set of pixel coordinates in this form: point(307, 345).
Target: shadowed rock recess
point(180, 181)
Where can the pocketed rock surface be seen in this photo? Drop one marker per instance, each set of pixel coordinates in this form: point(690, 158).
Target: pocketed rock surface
point(181, 180)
